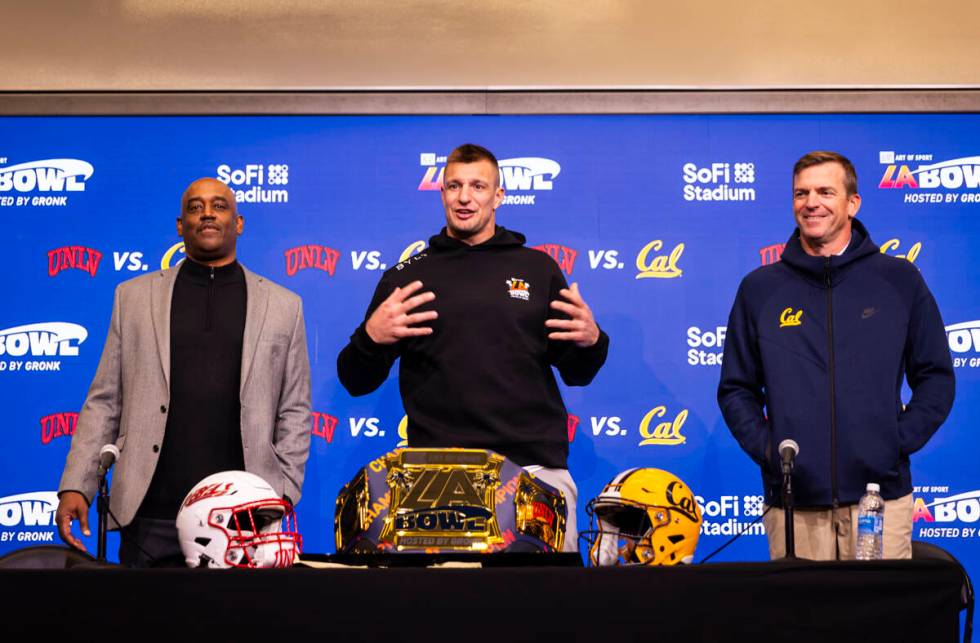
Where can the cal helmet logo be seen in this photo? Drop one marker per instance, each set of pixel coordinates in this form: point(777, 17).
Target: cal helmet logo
point(681, 499)
point(791, 318)
point(518, 288)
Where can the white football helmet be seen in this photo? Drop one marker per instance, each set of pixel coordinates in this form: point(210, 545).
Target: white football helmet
point(235, 519)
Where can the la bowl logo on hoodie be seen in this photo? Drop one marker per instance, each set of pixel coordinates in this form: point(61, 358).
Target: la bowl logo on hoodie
point(523, 174)
point(37, 183)
point(518, 288)
point(48, 339)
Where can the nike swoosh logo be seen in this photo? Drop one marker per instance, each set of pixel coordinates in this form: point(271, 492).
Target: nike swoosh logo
point(868, 312)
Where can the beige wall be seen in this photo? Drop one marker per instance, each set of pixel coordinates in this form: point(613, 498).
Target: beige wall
point(309, 44)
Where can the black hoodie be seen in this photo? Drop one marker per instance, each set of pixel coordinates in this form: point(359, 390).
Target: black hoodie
point(483, 378)
point(816, 351)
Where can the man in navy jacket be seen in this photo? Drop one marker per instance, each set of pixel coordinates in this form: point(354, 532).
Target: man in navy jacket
point(817, 348)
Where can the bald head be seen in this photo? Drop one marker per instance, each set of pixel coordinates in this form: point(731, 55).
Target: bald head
point(209, 185)
point(209, 222)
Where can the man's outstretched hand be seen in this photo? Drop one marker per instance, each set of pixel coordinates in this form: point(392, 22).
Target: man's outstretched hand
point(581, 328)
point(393, 319)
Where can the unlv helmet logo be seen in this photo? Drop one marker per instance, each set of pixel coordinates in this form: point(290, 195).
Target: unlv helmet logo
point(208, 491)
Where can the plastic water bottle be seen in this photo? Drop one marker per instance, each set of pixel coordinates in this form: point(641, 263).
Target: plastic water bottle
point(871, 524)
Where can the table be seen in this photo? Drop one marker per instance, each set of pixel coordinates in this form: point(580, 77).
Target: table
point(911, 600)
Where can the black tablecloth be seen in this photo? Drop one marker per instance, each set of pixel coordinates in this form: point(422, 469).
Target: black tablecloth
point(795, 601)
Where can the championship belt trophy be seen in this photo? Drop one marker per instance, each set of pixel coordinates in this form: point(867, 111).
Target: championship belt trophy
point(448, 500)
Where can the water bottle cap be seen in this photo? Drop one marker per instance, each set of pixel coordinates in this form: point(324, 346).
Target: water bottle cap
point(874, 486)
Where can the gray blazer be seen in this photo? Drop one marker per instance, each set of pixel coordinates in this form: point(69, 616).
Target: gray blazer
point(130, 394)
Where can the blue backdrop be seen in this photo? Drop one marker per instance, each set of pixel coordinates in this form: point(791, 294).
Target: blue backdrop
point(656, 217)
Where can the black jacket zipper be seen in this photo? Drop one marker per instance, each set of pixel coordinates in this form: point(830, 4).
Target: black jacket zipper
point(207, 313)
point(832, 377)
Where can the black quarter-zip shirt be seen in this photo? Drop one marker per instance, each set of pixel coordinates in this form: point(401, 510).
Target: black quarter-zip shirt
point(203, 431)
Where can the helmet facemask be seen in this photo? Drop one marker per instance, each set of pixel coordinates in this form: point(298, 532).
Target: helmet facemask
point(260, 534)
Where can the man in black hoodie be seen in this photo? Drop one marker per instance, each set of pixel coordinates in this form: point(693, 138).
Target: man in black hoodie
point(817, 348)
point(478, 321)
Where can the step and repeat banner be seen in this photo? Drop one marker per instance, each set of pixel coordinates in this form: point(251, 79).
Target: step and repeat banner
point(656, 217)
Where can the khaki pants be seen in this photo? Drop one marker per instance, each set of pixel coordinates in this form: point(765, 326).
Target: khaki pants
point(820, 535)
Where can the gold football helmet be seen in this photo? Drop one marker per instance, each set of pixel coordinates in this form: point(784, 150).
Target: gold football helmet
point(643, 517)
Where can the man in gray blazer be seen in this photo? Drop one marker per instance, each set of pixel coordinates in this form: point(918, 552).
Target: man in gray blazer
point(205, 369)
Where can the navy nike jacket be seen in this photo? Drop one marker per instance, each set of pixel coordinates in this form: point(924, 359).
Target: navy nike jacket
point(816, 351)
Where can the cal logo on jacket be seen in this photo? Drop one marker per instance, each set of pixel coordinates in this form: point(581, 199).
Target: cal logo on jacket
point(789, 317)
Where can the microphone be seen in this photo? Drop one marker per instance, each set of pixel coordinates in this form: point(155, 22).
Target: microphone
point(788, 450)
point(107, 457)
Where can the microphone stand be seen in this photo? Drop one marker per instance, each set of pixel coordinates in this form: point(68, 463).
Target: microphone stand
point(788, 509)
point(103, 509)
